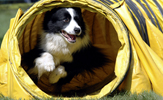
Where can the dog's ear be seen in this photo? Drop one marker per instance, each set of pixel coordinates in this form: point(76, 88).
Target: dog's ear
point(77, 9)
point(46, 20)
point(48, 16)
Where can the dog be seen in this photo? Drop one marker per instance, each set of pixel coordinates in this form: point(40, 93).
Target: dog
point(64, 48)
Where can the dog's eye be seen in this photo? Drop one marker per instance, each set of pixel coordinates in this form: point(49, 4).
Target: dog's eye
point(66, 20)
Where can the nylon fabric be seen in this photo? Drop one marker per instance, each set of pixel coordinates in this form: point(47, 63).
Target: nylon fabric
point(131, 36)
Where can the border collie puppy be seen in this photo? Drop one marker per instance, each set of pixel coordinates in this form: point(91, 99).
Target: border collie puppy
point(64, 49)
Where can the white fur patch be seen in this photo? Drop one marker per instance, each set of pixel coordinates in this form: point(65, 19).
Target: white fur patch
point(61, 50)
point(72, 24)
point(43, 64)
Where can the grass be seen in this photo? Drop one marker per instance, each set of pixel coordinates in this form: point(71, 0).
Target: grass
point(119, 96)
point(142, 96)
point(5, 16)
point(8, 11)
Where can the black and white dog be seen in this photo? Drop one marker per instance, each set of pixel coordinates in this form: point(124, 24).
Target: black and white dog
point(64, 49)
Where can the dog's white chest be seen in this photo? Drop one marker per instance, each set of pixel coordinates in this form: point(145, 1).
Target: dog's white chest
point(57, 47)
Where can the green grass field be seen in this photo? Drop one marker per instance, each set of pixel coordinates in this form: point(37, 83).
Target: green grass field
point(9, 11)
point(5, 16)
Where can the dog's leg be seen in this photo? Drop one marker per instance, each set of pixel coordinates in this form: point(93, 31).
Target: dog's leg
point(44, 63)
point(58, 73)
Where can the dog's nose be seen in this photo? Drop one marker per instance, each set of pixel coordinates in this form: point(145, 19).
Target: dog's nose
point(77, 30)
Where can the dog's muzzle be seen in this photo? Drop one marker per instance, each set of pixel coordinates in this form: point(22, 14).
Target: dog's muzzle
point(70, 38)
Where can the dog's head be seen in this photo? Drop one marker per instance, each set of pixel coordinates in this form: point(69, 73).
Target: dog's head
point(67, 22)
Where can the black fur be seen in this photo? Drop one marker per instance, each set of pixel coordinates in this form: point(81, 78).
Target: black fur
point(87, 59)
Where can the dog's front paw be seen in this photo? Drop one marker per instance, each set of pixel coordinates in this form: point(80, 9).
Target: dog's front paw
point(58, 73)
point(45, 63)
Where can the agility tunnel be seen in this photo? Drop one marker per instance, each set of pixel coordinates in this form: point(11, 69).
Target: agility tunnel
point(130, 33)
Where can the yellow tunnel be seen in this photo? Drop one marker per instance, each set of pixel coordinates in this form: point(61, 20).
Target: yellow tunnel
point(128, 31)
